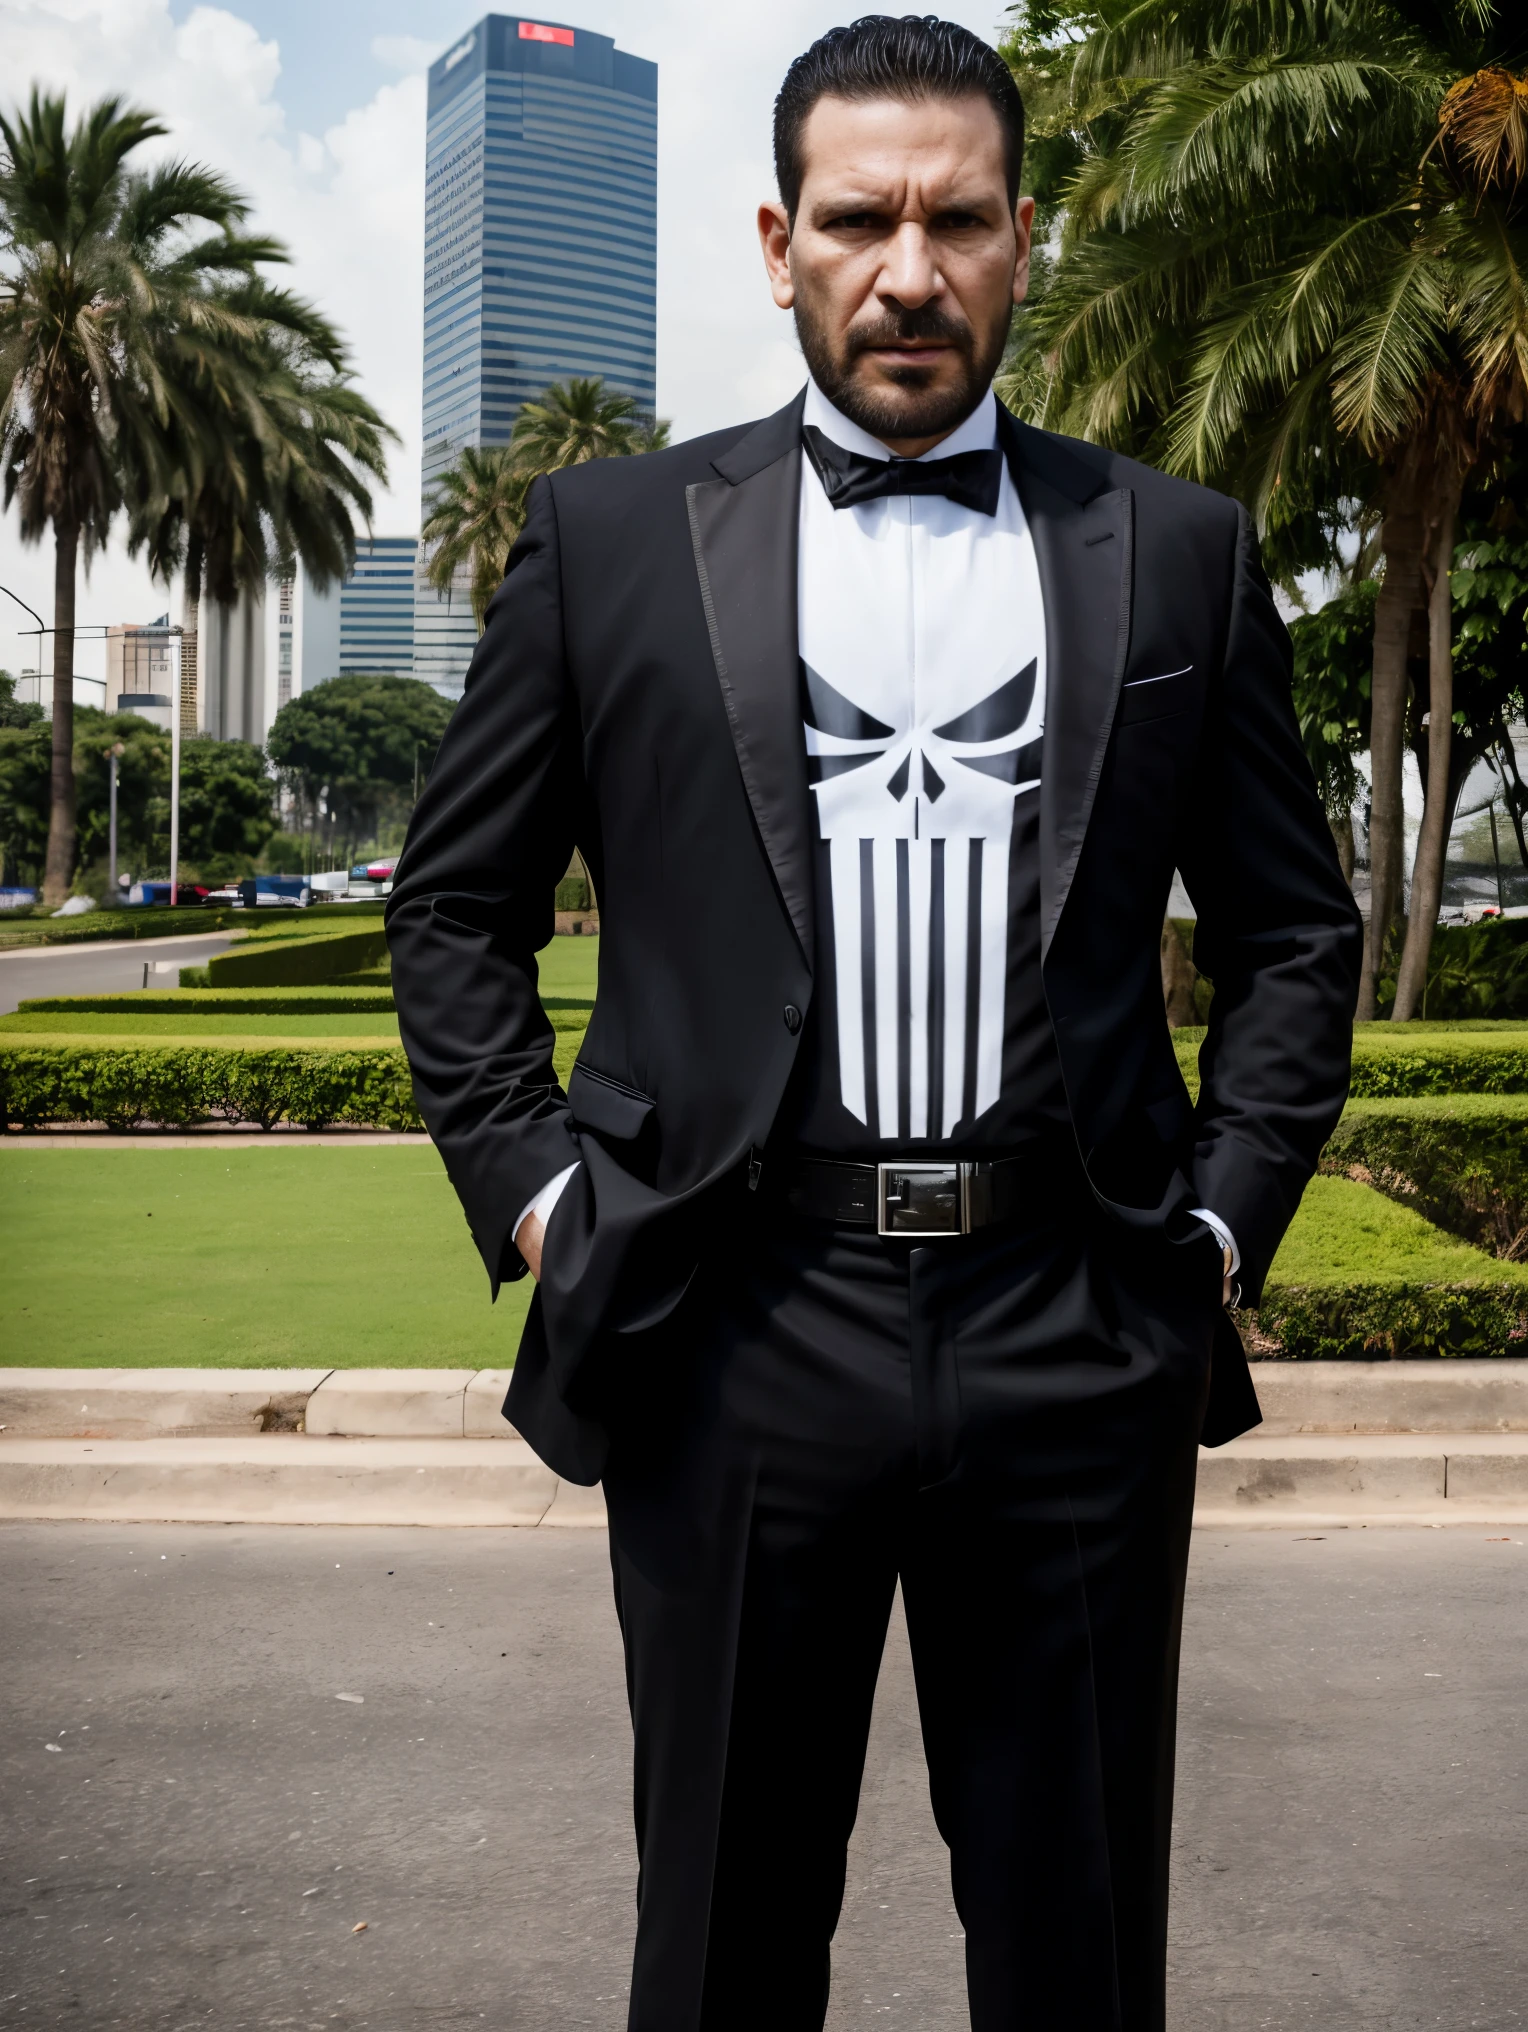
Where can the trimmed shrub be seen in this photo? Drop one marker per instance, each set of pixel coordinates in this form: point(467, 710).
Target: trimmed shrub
point(1407, 1061)
point(342, 999)
point(1460, 1162)
point(180, 1086)
point(572, 893)
point(290, 963)
point(1359, 1277)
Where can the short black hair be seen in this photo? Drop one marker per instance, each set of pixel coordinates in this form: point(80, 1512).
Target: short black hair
point(882, 57)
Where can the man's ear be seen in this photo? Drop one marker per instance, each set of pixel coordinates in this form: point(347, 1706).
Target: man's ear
point(1023, 228)
point(775, 241)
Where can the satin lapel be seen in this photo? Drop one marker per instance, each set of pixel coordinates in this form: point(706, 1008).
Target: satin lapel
point(744, 533)
point(1085, 553)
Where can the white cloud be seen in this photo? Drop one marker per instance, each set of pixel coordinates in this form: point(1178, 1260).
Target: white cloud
point(350, 202)
point(404, 52)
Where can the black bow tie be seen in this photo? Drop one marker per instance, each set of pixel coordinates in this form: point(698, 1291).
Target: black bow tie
point(974, 479)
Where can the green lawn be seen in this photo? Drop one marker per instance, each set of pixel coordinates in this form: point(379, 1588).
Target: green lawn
point(1347, 1233)
point(193, 1026)
point(274, 1257)
point(569, 969)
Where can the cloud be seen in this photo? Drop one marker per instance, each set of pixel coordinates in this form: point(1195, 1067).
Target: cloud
point(404, 52)
point(348, 203)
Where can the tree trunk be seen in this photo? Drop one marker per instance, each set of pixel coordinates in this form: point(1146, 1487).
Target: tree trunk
point(1347, 853)
point(58, 870)
point(1178, 978)
point(1437, 813)
point(1400, 594)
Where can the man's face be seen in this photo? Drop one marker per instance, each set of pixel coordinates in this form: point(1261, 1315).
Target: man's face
point(904, 263)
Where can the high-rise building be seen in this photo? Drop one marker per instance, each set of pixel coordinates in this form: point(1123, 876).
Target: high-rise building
point(266, 649)
point(377, 607)
point(540, 256)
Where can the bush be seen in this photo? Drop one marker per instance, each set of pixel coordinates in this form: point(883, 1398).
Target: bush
point(181, 1086)
point(342, 999)
point(572, 893)
point(1406, 1061)
point(290, 963)
point(1359, 1277)
point(1461, 1163)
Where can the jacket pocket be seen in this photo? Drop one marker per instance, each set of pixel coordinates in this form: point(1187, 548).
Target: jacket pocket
point(607, 1106)
point(1155, 698)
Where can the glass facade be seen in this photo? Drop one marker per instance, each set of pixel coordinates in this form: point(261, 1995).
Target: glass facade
point(540, 249)
point(377, 607)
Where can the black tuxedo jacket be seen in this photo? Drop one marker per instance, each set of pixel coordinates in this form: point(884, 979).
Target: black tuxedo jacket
point(635, 693)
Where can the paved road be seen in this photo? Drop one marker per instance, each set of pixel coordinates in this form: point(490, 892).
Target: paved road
point(1353, 1825)
point(109, 968)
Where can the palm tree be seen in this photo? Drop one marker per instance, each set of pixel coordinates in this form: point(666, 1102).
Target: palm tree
point(474, 519)
point(479, 510)
point(99, 269)
point(579, 420)
point(273, 447)
point(1294, 265)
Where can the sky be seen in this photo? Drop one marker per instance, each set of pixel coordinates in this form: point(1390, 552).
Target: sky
point(316, 108)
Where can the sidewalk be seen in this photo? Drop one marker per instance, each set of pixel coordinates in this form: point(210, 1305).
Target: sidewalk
point(1342, 1444)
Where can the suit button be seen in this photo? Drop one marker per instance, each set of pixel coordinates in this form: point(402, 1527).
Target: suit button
point(792, 1018)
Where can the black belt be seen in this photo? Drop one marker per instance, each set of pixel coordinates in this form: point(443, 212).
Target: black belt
point(913, 1199)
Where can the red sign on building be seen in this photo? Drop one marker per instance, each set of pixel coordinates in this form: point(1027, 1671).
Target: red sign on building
point(538, 31)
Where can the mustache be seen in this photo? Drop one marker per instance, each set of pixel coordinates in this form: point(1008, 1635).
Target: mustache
point(895, 327)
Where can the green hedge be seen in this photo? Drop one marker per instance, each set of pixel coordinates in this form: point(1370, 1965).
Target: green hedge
point(572, 893)
point(1361, 1277)
point(341, 999)
point(1406, 1061)
point(289, 963)
point(179, 1086)
point(1461, 1162)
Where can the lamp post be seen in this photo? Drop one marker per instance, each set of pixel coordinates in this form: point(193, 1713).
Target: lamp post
point(175, 775)
point(113, 756)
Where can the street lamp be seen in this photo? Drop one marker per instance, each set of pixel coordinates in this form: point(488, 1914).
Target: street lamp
point(114, 755)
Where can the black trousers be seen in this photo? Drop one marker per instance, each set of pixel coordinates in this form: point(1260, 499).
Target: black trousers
point(1007, 1423)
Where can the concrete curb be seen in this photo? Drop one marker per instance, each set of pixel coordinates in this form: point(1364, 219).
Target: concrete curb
point(430, 1447)
point(290, 1478)
point(285, 1480)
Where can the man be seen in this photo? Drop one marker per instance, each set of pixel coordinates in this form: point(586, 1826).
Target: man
point(876, 1234)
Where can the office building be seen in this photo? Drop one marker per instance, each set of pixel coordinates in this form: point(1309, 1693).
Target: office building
point(377, 607)
point(268, 648)
point(540, 250)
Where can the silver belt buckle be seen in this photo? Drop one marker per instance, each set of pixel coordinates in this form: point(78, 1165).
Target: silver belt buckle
point(922, 1201)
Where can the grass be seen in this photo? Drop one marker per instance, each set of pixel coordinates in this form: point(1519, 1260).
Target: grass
point(1346, 1233)
point(278, 1257)
point(191, 1026)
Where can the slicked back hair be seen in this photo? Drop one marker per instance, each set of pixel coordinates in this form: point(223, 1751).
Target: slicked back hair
point(881, 56)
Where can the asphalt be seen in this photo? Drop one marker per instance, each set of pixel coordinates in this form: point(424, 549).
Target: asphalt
point(111, 967)
point(214, 1821)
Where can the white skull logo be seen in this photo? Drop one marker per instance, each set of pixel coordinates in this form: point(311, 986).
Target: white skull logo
point(919, 819)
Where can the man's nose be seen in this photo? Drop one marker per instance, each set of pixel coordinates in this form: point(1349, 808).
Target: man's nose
point(909, 275)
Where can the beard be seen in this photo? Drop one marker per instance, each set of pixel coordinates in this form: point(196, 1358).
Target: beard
point(910, 406)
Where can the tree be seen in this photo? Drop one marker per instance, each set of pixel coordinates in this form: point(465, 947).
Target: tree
point(474, 519)
point(100, 269)
point(1293, 266)
point(579, 420)
point(350, 749)
point(479, 508)
point(271, 447)
point(16, 712)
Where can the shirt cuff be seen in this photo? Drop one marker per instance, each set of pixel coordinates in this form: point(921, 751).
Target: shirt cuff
point(1221, 1233)
point(544, 1201)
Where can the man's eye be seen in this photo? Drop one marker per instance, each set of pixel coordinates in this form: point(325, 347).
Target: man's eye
point(853, 222)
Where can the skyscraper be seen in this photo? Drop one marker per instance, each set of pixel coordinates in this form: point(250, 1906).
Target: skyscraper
point(377, 607)
point(540, 249)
